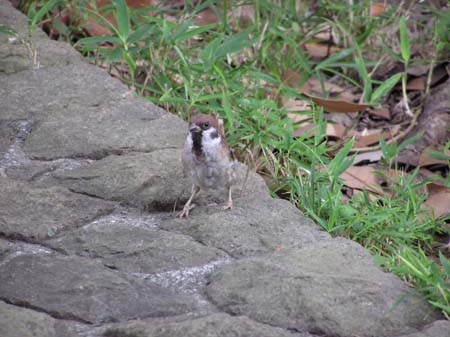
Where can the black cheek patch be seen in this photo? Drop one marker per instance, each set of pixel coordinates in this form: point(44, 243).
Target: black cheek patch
point(214, 134)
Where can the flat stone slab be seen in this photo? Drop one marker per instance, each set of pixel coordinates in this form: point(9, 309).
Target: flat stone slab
point(38, 213)
point(216, 325)
point(436, 329)
point(123, 243)
point(332, 288)
point(75, 288)
point(91, 115)
point(22, 322)
point(251, 228)
point(152, 181)
point(80, 86)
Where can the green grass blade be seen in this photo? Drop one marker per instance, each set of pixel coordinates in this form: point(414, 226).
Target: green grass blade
point(96, 40)
point(122, 16)
point(385, 87)
point(331, 61)
point(404, 42)
point(190, 32)
point(35, 17)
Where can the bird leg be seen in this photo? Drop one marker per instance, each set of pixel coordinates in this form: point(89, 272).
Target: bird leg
point(229, 204)
point(187, 207)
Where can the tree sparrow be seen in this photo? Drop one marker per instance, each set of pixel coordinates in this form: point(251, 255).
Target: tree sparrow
point(207, 159)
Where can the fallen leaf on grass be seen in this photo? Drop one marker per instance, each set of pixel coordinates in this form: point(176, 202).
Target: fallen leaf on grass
point(371, 157)
point(206, 17)
point(362, 177)
point(377, 8)
point(417, 83)
point(320, 50)
point(438, 203)
point(296, 104)
point(324, 35)
point(313, 86)
point(337, 105)
point(372, 138)
point(426, 159)
point(380, 112)
point(303, 121)
point(94, 29)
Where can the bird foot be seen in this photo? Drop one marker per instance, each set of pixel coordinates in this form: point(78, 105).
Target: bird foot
point(228, 205)
point(185, 212)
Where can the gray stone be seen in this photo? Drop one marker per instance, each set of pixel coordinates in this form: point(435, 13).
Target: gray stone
point(253, 227)
point(82, 289)
point(7, 136)
point(131, 245)
point(15, 50)
point(46, 92)
point(216, 325)
point(38, 213)
point(148, 180)
point(332, 288)
point(22, 322)
point(153, 181)
point(5, 249)
point(97, 132)
point(90, 117)
point(436, 329)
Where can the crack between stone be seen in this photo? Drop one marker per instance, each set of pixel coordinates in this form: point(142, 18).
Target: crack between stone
point(93, 196)
point(18, 238)
point(101, 154)
point(53, 314)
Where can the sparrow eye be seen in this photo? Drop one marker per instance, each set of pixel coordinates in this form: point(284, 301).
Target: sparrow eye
point(206, 125)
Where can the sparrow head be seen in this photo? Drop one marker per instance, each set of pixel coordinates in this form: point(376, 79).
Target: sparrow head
point(205, 131)
point(200, 123)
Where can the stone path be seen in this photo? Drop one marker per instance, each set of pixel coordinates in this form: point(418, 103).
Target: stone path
point(89, 245)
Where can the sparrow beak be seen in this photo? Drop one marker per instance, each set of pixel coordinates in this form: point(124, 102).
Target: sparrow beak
point(194, 128)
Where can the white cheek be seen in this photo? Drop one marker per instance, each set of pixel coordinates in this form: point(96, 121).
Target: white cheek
point(210, 144)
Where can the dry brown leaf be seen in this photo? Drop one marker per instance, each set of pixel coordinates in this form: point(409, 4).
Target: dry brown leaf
point(426, 160)
point(305, 128)
point(381, 113)
point(94, 29)
point(291, 78)
point(332, 130)
point(417, 83)
point(362, 177)
point(436, 186)
point(324, 35)
point(335, 130)
point(372, 157)
point(332, 88)
point(372, 197)
point(206, 17)
point(438, 203)
point(299, 118)
point(320, 50)
point(377, 8)
point(337, 105)
point(372, 138)
point(313, 86)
